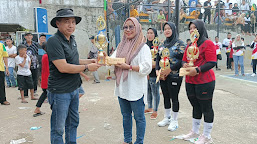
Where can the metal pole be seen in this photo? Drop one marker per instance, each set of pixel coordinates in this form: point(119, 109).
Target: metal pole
point(107, 28)
point(177, 15)
point(218, 28)
point(168, 10)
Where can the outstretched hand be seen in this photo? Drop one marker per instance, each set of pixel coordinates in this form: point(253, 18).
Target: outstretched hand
point(123, 66)
point(93, 66)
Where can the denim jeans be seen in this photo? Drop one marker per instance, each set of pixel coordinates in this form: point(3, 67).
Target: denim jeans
point(96, 76)
point(137, 107)
point(240, 60)
point(10, 80)
point(64, 115)
point(153, 93)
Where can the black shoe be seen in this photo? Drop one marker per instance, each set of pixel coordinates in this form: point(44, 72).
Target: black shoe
point(218, 69)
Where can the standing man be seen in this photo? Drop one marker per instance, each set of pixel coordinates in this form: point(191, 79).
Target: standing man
point(3, 57)
point(93, 55)
point(64, 79)
point(32, 52)
point(226, 43)
point(207, 10)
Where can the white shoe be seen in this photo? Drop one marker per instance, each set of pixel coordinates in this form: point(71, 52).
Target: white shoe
point(173, 125)
point(253, 75)
point(190, 135)
point(203, 140)
point(164, 122)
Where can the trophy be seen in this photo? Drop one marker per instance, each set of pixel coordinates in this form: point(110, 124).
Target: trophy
point(155, 47)
point(101, 41)
point(164, 63)
point(192, 52)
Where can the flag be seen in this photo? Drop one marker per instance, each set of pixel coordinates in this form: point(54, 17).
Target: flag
point(5, 54)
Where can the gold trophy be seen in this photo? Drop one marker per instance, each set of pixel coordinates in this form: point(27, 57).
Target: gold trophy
point(192, 52)
point(154, 50)
point(101, 41)
point(164, 63)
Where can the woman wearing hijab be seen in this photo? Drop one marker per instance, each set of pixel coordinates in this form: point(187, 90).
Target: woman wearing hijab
point(238, 54)
point(153, 96)
point(131, 78)
point(200, 84)
point(171, 84)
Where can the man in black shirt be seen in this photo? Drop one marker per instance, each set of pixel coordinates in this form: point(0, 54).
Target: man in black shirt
point(64, 79)
point(207, 10)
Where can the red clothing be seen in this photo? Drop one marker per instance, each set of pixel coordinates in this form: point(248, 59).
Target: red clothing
point(45, 71)
point(231, 52)
point(207, 54)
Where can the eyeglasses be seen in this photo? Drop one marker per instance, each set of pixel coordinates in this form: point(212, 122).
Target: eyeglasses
point(131, 27)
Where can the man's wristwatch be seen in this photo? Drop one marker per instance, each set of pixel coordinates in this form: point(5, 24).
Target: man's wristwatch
point(86, 68)
point(197, 70)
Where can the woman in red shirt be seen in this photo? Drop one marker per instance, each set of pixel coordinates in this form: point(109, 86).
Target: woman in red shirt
point(44, 81)
point(200, 84)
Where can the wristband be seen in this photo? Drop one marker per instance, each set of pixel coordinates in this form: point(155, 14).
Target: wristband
point(130, 68)
point(197, 70)
point(86, 68)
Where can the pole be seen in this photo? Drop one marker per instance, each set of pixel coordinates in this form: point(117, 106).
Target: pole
point(218, 28)
point(107, 27)
point(177, 15)
point(168, 10)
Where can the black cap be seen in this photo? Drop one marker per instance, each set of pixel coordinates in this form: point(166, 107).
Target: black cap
point(92, 37)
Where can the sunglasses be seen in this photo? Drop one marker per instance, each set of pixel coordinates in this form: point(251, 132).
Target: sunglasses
point(131, 27)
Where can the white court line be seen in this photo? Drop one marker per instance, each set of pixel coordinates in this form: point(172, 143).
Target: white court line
point(238, 79)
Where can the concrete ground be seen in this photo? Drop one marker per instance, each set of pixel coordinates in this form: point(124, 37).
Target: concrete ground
point(235, 107)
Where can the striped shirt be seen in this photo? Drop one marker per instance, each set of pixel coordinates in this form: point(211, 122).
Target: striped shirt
point(32, 52)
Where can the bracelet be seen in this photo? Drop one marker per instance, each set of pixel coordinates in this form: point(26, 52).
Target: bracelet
point(197, 70)
point(130, 68)
point(86, 68)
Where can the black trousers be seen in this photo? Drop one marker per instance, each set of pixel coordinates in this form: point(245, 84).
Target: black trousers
point(42, 98)
point(34, 77)
point(228, 61)
point(200, 97)
point(254, 65)
point(170, 89)
point(207, 14)
point(2, 87)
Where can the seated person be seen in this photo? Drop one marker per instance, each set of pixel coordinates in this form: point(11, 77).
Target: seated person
point(161, 19)
point(182, 16)
point(133, 12)
point(149, 10)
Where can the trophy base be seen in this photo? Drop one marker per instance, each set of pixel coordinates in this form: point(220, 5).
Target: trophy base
point(183, 71)
point(114, 61)
point(101, 60)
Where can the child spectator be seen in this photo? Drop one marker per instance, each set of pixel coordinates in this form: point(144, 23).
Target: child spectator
point(133, 12)
point(44, 81)
point(161, 19)
point(218, 46)
point(12, 52)
point(24, 76)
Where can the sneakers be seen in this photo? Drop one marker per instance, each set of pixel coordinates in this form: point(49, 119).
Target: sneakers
point(203, 140)
point(253, 75)
point(173, 125)
point(190, 135)
point(164, 122)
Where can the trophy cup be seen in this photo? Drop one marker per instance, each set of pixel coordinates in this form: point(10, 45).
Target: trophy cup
point(164, 63)
point(101, 41)
point(155, 47)
point(192, 52)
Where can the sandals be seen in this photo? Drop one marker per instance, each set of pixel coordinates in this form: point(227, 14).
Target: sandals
point(38, 114)
point(34, 98)
point(147, 111)
point(153, 116)
point(24, 101)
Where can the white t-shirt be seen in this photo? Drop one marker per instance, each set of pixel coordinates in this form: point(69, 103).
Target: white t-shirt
point(226, 42)
point(244, 7)
point(218, 47)
point(136, 85)
point(229, 12)
point(239, 52)
point(24, 71)
point(10, 51)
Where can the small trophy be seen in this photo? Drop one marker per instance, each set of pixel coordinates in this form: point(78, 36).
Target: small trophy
point(164, 63)
point(192, 52)
point(101, 41)
point(155, 47)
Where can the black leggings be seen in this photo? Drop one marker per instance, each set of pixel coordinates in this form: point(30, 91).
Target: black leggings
point(200, 97)
point(170, 89)
point(254, 65)
point(42, 98)
point(228, 60)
